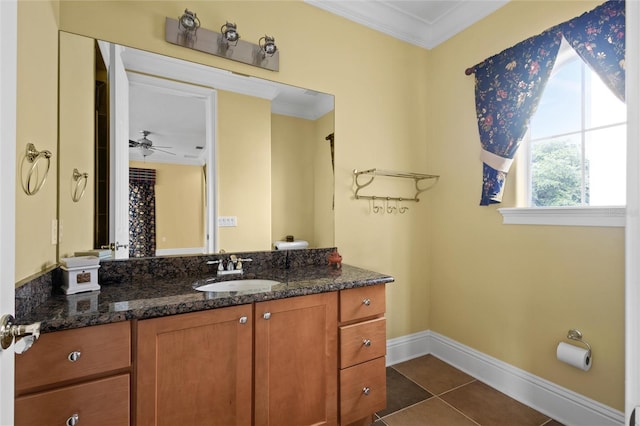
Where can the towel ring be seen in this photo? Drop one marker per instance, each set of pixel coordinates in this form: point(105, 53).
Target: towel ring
point(80, 186)
point(34, 156)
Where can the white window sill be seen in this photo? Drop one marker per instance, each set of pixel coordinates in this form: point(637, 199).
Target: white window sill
point(566, 216)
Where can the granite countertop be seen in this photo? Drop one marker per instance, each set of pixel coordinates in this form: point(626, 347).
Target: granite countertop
point(155, 296)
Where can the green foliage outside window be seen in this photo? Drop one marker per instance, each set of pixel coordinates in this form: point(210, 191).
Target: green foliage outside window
point(556, 174)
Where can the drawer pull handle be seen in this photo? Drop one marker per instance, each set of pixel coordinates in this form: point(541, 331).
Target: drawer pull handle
point(366, 343)
point(366, 302)
point(73, 357)
point(243, 320)
point(73, 420)
point(366, 391)
point(266, 315)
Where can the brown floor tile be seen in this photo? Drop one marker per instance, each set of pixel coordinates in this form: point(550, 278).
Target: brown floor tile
point(433, 412)
point(433, 374)
point(379, 422)
point(401, 392)
point(487, 406)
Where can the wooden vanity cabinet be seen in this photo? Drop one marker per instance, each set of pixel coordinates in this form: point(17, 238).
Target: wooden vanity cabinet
point(195, 368)
point(296, 359)
point(80, 375)
point(363, 347)
point(202, 368)
point(303, 360)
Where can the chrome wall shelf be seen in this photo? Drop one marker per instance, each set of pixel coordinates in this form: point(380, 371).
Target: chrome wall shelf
point(371, 174)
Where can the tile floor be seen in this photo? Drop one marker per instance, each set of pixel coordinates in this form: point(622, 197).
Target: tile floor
point(427, 391)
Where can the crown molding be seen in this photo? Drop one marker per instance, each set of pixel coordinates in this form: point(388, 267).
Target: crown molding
point(389, 18)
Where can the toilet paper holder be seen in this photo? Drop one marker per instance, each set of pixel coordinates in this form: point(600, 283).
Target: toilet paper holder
point(575, 334)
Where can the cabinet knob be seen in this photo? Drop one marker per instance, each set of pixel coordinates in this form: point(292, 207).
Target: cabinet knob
point(366, 302)
point(243, 320)
point(266, 315)
point(366, 342)
point(73, 420)
point(74, 356)
point(366, 390)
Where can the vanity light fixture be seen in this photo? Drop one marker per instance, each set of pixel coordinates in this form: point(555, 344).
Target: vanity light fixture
point(188, 23)
point(230, 33)
point(225, 44)
point(268, 45)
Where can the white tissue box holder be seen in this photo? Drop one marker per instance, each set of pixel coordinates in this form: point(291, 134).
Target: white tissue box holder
point(80, 279)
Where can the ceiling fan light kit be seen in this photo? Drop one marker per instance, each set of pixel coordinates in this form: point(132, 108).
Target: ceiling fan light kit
point(146, 145)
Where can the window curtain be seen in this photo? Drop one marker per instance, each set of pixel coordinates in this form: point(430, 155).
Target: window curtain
point(142, 212)
point(508, 86)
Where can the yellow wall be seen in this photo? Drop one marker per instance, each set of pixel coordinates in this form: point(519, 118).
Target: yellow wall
point(512, 291)
point(76, 149)
point(403, 108)
point(180, 221)
point(37, 122)
point(292, 172)
point(244, 171)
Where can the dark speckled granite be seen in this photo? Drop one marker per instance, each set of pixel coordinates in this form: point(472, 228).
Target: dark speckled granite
point(148, 288)
point(33, 293)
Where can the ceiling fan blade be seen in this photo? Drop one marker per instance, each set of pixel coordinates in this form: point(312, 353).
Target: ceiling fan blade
point(133, 144)
point(159, 146)
point(162, 150)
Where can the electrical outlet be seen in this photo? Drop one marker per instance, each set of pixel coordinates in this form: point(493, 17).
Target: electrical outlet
point(227, 221)
point(54, 231)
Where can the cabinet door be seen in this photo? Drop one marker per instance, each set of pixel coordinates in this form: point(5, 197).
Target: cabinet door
point(195, 369)
point(296, 361)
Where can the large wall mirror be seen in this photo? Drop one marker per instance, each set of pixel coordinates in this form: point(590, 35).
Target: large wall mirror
point(168, 157)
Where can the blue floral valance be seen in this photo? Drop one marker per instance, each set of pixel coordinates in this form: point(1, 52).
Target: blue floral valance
point(509, 85)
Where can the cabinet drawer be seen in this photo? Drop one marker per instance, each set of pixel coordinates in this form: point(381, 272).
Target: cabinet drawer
point(362, 302)
point(101, 402)
point(362, 342)
point(101, 348)
point(363, 390)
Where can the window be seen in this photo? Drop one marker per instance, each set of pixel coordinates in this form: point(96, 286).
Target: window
point(576, 147)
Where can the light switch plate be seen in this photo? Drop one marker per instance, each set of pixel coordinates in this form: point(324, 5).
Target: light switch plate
point(227, 221)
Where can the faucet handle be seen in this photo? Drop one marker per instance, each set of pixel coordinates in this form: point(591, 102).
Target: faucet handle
point(219, 262)
point(240, 260)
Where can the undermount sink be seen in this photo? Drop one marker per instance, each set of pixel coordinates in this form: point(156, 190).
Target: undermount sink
point(248, 286)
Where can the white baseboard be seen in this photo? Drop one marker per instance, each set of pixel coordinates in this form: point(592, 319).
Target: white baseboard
point(180, 251)
point(408, 347)
point(561, 404)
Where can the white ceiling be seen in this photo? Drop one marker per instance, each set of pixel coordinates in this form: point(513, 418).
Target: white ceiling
point(425, 23)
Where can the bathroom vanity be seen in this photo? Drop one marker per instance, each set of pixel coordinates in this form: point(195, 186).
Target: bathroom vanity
point(309, 350)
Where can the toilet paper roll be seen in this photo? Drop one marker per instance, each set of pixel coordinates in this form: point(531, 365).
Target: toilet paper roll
point(574, 355)
point(291, 245)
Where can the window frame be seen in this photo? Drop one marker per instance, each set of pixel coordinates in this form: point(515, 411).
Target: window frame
point(584, 215)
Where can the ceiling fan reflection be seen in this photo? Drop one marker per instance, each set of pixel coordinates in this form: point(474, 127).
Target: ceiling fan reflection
point(146, 146)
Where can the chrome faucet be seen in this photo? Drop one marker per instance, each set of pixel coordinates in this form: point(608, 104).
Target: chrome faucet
point(234, 265)
point(231, 264)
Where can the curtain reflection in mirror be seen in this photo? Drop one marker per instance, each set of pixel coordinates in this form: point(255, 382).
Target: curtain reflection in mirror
point(142, 212)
